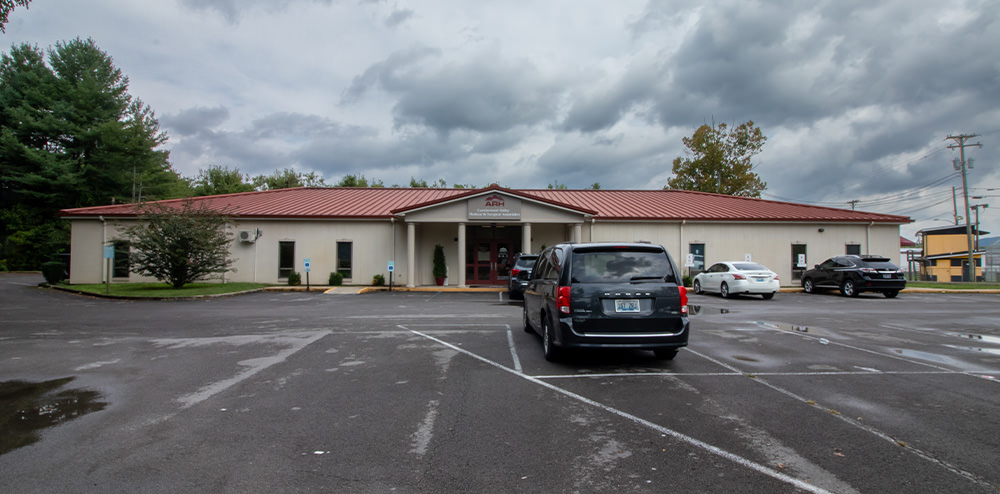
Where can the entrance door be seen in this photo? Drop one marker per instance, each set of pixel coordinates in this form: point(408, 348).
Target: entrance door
point(488, 262)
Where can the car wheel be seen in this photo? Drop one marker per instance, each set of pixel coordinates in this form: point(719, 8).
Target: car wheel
point(890, 293)
point(724, 290)
point(848, 288)
point(549, 347)
point(807, 286)
point(665, 353)
point(526, 322)
point(697, 287)
point(767, 296)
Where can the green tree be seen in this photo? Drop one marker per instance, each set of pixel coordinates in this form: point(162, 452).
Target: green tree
point(220, 180)
point(558, 186)
point(287, 179)
point(6, 6)
point(71, 136)
point(358, 181)
point(721, 161)
point(179, 245)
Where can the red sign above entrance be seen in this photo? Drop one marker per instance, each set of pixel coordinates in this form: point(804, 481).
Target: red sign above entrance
point(495, 207)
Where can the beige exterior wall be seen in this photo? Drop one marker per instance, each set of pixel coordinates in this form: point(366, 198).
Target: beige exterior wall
point(376, 242)
point(769, 244)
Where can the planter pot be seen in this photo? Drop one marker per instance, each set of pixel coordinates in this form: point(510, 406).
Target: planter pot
point(439, 281)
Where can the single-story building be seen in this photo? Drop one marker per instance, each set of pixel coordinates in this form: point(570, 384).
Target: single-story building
point(945, 255)
point(363, 232)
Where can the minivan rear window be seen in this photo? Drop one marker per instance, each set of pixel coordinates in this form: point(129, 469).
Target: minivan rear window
point(620, 266)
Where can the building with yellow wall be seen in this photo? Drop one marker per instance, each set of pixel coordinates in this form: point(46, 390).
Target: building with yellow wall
point(946, 253)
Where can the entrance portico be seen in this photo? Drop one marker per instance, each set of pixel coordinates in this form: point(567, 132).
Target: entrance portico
point(482, 233)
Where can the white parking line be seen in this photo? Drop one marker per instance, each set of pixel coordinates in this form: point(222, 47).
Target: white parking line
point(763, 469)
point(513, 350)
point(865, 427)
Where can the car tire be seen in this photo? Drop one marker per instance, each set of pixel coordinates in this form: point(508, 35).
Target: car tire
point(665, 353)
point(549, 347)
point(767, 296)
point(697, 287)
point(849, 289)
point(526, 322)
point(724, 290)
point(890, 293)
point(807, 286)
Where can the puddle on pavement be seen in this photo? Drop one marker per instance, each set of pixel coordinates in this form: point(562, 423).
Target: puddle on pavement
point(995, 340)
point(694, 310)
point(783, 326)
point(991, 351)
point(28, 407)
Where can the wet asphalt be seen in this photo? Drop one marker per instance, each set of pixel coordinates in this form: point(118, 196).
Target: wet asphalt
point(444, 392)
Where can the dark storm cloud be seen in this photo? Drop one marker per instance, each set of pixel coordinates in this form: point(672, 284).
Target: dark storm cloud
point(233, 10)
point(194, 120)
point(398, 17)
point(484, 94)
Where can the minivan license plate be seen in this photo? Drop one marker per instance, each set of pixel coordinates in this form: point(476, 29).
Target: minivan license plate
point(626, 305)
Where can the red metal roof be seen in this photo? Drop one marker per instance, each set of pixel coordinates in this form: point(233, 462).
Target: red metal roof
point(670, 205)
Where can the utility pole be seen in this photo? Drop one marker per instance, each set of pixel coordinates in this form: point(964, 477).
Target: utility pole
point(853, 203)
point(962, 165)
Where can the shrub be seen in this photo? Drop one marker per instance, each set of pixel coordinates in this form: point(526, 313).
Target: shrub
point(440, 268)
point(687, 280)
point(336, 279)
point(54, 272)
point(294, 279)
point(378, 280)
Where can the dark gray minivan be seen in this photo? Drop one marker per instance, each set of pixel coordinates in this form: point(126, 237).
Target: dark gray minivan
point(607, 295)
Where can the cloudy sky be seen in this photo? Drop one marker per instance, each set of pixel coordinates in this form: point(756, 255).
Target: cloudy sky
point(856, 98)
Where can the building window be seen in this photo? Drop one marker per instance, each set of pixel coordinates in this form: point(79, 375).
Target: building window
point(286, 259)
point(697, 253)
point(344, 250)
point(853, 249)
point(121, 266)
point(955, 263)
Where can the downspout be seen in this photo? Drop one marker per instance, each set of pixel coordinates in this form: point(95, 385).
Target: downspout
point(392, 231)
point(868, 238)
point(593, 223)
point(104, 241)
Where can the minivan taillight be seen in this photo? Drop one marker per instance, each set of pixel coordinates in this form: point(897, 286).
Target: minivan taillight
point(514, 272)
point(684, 299)
point(562, 299)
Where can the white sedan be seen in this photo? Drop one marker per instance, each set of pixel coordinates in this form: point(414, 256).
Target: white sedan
point(735, 278)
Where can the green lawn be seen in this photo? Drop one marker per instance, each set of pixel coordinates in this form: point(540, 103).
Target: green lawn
point(157, 290)
point(953, 285)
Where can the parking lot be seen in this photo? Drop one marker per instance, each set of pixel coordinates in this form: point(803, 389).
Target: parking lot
point(444, 392)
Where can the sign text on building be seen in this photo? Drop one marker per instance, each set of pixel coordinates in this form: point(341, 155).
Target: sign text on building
point(495, 207)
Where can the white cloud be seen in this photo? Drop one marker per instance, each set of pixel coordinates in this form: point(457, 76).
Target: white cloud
point(855, 97)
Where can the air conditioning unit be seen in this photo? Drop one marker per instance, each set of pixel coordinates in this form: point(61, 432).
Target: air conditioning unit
point(248, 236)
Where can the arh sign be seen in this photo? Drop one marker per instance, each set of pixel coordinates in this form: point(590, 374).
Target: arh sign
point(495, 207)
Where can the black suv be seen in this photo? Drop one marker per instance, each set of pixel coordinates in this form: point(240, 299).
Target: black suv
point(855, 274)
point(603, 295)
point(520, 273)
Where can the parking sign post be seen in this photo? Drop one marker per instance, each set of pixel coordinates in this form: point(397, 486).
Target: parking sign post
point(308, 267)
point(391, 267)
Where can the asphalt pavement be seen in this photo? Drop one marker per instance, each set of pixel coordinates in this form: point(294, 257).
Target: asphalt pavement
point(444, 392)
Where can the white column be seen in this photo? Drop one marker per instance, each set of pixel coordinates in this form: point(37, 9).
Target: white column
point(526, 238)
point(411, 254)
point(461, 255)
point(577, 232)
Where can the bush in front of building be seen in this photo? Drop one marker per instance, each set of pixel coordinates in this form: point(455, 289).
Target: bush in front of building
point(54, 272)
point(336, 279)
point(294, 279)
point(378, 280)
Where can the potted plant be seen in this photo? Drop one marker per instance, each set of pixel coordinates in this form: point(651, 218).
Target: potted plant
point(440, 267)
